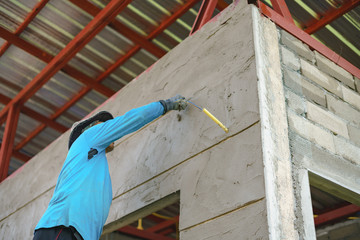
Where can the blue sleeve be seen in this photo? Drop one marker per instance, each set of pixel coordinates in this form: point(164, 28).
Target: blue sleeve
point(102, 135)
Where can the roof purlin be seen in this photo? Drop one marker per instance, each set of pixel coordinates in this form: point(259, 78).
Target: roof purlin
point(331, 16)
point(46, 57)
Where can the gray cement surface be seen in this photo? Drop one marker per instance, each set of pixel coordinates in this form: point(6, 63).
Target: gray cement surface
point(218, 175)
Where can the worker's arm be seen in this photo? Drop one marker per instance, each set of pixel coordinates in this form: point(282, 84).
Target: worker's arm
point(102, 135)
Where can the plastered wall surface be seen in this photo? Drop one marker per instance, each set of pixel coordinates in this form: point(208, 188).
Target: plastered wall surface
point(219, 177)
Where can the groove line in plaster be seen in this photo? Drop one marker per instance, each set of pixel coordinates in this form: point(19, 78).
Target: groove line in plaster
point(165, 171)
point(187, 159)
point(40, 195)
point(226, 213)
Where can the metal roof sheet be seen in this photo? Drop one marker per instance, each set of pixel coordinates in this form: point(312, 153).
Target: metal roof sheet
point(61, 20)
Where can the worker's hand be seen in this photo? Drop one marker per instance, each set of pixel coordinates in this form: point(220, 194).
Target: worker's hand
point(175, 103)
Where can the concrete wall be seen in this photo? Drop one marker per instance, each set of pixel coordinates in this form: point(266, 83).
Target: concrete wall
point(218, 177)
point(291, 113)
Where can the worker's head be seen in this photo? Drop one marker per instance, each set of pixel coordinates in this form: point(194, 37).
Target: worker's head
point(79, 127)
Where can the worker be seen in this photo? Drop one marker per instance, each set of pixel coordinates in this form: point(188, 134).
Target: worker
point(81, 201)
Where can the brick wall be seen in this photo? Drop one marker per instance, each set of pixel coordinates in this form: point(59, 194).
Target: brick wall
point(323, 111)
point(321, 97)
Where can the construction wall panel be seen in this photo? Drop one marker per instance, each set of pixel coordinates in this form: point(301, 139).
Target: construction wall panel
point(219, 176)
point(323, 114)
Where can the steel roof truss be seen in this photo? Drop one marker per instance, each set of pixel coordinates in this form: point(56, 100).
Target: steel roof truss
point(204, 15)
point(332, 16)
point(307, 39)
point(33, 13)
point(44, 56)
point(8, 139)
point(37, 116)
point(281, 7)
point(122, 29)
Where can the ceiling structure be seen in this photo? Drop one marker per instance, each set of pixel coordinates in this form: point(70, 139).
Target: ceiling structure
point(71, 81)
point(60, 59)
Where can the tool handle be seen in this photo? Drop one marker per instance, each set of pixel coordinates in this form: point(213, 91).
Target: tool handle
point(215, 119)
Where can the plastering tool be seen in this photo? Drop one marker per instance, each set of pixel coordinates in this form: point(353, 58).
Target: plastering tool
point(210, 116)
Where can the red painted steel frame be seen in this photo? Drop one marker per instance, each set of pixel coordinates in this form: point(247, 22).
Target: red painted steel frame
point(44, 56)
point(143, 233)
point(336, 213)
point(59, 61)
point(121, 28)
point(8, 140)
point(37, 116)
point(307, 39)
point(105, 74)
point(331, 16)
point(163, 225)
point(221, 5)
point(40, 5)
point(206, 10)
point(281, 7)
point(75, 45)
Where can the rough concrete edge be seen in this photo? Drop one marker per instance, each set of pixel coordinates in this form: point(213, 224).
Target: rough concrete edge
point(329, 184)
point(280, 222)
point(306, 205)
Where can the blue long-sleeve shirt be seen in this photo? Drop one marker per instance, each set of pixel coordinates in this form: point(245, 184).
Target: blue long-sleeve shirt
point(83, 192)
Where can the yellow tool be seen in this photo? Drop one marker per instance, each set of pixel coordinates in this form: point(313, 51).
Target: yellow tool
point(210, 116)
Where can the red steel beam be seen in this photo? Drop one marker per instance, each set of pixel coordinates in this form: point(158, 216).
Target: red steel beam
point(47, 121)
point(179, 12)
point(59, 61)
point(143, 233)
point(23, 157)
point(335, 214)
point(33, 134)
point(121, 28)
point(331, 16)
point(32, 14)
point(221, 5)
point(37, 116)
point(206, 10)
point(120, 61)
point(163, 225)
point(281, 7)
point(307, 39)
point(20, 156)
point(44, 56)
point(166, 23)
point(8, 140)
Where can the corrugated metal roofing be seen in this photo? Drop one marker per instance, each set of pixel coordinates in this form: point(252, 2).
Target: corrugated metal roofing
point(52, 29)
point(61, 20)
